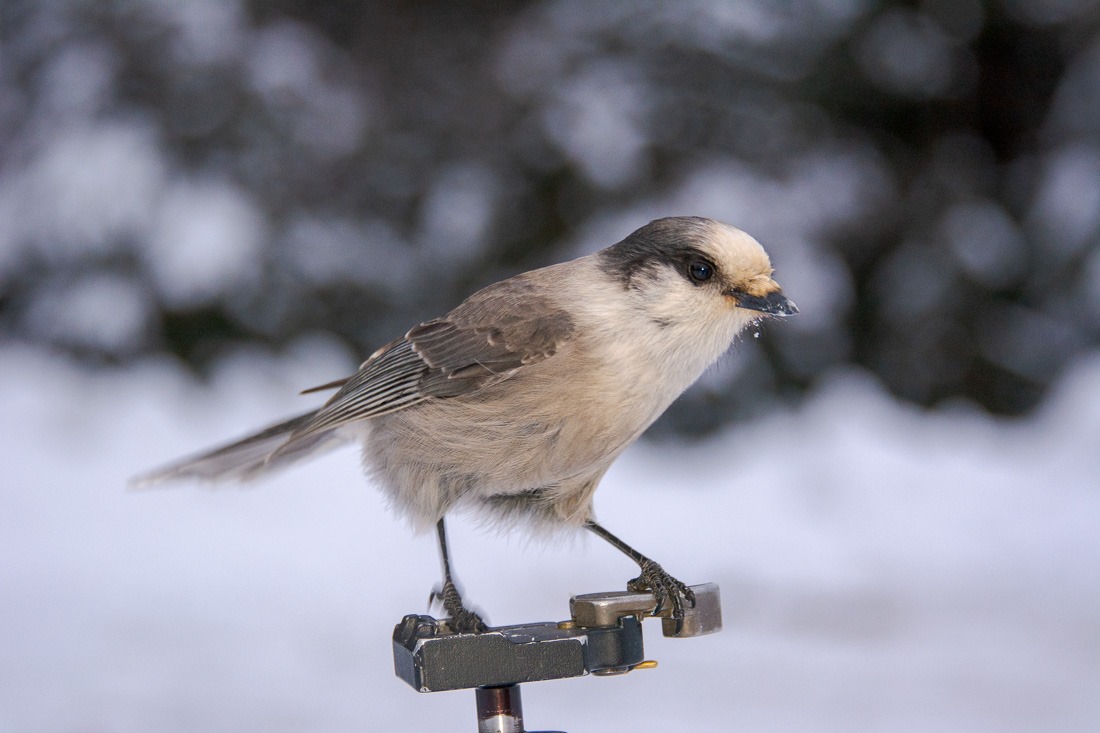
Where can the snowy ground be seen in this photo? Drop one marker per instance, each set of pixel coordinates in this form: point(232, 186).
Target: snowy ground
point(882, 569)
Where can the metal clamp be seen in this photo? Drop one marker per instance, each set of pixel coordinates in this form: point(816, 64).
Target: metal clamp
point(603, 636)
point(604, 609)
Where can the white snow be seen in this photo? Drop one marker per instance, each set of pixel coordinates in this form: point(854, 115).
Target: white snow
point(86, 189)
point(595, 120)
point(1067, 205)
point(457, 213)
point(208, 239)
point(97, 310)
point(882, 568)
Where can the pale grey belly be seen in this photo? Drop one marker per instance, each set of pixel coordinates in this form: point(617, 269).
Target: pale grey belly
point(438, 455)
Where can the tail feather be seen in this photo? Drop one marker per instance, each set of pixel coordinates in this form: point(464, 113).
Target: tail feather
point(247, 458)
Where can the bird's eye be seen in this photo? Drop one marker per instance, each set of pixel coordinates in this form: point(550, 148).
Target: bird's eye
point(700, 271)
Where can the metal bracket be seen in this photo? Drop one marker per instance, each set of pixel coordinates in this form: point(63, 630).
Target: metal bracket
point(602, 637)
point(595, 610)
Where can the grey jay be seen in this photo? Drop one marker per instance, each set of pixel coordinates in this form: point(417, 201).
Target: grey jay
point(516, 402)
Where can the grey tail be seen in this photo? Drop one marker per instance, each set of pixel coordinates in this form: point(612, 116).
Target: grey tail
point(247, 458)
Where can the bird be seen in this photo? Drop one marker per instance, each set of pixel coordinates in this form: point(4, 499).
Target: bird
point(515, 403)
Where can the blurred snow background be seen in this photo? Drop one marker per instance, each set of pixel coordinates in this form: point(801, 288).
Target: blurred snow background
point(925, 175)
point(206, 206)
point(882, 568)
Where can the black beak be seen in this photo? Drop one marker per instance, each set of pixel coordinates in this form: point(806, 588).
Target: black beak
point(774, 303)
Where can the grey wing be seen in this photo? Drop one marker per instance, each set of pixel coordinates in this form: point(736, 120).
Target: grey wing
point(386, 382)
point(490, 336)
point(243, 459)
point(486, 339)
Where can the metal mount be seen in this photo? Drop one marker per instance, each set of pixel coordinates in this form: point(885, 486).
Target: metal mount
point(603, 637)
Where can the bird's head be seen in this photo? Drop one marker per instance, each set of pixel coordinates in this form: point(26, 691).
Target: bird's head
point(686, 270)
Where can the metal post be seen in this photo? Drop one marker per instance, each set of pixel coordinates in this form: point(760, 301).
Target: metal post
point(499, 709)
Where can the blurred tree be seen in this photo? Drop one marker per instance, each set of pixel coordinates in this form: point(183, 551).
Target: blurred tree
point(187, 176)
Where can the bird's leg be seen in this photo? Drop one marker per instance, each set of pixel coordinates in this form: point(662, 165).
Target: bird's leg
point(653, 578)
point(462, 619)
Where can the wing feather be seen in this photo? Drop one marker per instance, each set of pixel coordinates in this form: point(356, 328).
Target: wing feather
point(384, 383)
point(485, 340)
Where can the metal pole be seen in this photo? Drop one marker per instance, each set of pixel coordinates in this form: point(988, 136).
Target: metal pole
point(499, 710)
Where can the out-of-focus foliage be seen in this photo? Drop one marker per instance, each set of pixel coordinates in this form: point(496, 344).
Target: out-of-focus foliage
point(187, 175)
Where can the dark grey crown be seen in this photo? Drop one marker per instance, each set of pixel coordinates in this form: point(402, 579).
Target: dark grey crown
point(674, 241)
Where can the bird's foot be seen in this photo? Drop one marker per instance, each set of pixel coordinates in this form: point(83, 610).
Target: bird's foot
point(668, 590)
point(460, 618)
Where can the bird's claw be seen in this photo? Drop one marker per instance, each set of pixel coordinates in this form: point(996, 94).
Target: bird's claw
point(666, 589)
point(460, 618)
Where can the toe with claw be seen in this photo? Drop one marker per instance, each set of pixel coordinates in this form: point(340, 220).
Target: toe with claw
point(667, 589)
point(460, 618)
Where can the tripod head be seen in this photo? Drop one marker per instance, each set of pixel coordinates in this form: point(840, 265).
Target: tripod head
point(603, 636)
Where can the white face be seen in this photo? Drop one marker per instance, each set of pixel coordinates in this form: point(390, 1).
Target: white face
point(670, 299)
point(742, 263)
point(707, 271)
